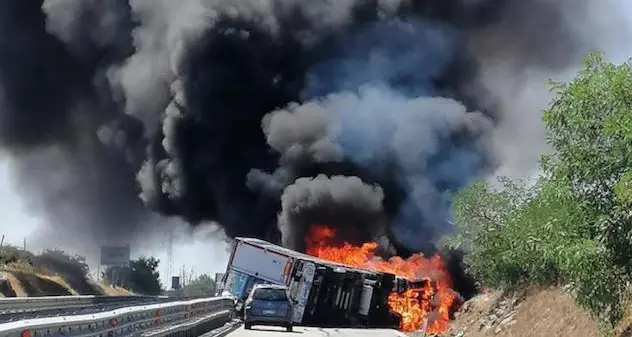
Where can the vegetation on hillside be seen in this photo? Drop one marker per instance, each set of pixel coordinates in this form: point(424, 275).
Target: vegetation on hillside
point(48, 262)
point(52, 272)
point(141, 276)
point(204, 285)
point(572, 226)
point(11, 254)
point(55, 272)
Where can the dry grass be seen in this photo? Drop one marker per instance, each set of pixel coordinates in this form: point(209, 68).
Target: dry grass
point(109, 290)
point(21, 289)
point(15, 284)
point(14, 269)
point(551, 313)
point(24, 267)
point(543, 313)
point(625, 328)
point(58, 280)
point(49, 273)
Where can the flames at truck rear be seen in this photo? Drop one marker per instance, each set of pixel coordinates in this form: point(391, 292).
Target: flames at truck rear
point(427, 296)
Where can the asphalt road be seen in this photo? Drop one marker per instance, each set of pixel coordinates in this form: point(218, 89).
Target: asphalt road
point(313, 332)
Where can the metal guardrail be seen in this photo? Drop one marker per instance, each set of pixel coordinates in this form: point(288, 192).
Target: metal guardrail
point(24, 304)
point(20, 309)
point(189, 318)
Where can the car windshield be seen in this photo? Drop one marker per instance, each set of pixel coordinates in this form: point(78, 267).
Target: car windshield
point(269, 294)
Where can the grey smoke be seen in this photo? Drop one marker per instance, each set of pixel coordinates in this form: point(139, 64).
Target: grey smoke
point(384, 131)
point(300, 133)
point(535, 42)
point(344, 201)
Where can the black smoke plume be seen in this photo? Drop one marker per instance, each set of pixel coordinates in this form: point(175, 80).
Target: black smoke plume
point(266, 116)
point(342, 200)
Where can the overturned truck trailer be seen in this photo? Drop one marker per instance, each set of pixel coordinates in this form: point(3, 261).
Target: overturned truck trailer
point(326, 293)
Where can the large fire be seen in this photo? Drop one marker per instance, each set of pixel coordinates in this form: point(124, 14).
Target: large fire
point(431, 300)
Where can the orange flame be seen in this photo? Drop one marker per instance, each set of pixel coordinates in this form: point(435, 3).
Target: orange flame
point(433, 301)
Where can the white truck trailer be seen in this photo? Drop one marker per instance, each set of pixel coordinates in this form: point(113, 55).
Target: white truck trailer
point(324, 292)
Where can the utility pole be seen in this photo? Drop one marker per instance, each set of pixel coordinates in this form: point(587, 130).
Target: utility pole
point(170, 254)
point(24, 245)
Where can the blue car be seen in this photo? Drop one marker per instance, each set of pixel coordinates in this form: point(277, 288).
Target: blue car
point(268, 305)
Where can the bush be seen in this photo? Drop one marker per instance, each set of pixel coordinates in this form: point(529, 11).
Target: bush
point(204, 285)
point(11, 254)
point(574, 225)
point(141, 276)
point(62, 263)
point(547, 238)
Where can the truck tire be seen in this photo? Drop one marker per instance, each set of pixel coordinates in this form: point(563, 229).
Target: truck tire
point(247, 326)
point(289, 328)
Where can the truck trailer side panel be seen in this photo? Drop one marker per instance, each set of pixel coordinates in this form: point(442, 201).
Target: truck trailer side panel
point(261, 263)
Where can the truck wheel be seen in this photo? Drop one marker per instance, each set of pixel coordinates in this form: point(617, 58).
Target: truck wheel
point(247, 326)
point(289, 328)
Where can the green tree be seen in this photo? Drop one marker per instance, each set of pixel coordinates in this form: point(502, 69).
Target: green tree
point(482, 215)
point(575, 224)
point(590, 127)
point(523, 241)
point(141, 276)
point(204, 285)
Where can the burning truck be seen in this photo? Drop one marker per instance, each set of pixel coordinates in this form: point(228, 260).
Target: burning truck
point(346, 285)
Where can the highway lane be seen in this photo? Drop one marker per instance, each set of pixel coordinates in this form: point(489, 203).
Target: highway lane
point(263, 331)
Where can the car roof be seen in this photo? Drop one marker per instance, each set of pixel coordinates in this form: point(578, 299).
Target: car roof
point(270, 286)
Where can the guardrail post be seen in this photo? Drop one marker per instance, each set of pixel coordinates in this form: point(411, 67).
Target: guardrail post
point(158, 317)
point(26, 333)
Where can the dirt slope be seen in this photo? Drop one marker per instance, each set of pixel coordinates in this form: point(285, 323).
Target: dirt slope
point(30, 284)
point(533, 313)
point(50, 273)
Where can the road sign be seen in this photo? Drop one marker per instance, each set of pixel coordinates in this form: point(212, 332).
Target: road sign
point(175, 282)
point(115, 255)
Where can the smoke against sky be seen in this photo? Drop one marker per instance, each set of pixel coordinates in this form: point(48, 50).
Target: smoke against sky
point(129, 117)
point(16, 223)
point(201, 251)
point(523, 91)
